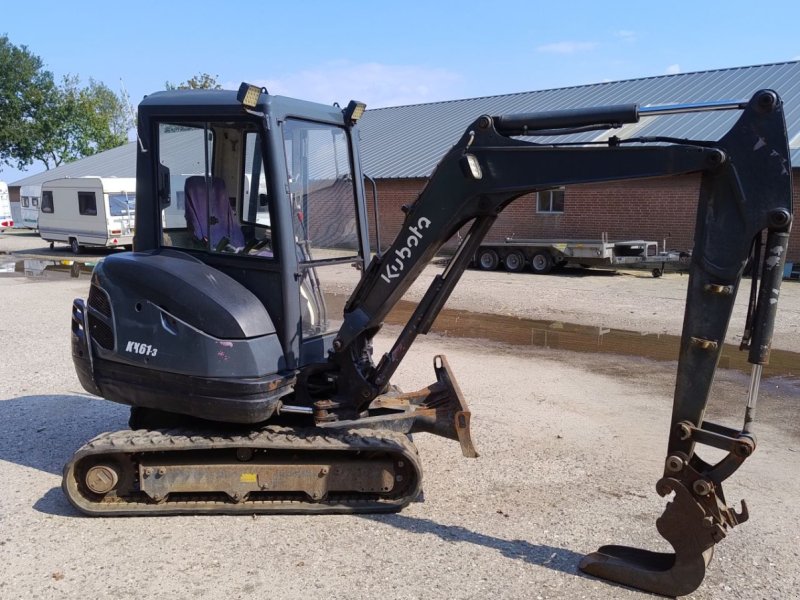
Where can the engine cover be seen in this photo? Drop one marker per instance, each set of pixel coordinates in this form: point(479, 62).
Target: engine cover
point(167, 331)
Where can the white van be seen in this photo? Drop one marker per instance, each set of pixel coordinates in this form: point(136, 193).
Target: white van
point(29, 196)
point(6, 221)
point(88, 211)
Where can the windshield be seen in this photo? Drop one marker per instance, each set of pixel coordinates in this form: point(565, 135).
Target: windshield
point(324, 215)
point(321, 189)
point(122, 204)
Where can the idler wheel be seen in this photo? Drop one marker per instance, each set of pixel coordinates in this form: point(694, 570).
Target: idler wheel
point(101, 479)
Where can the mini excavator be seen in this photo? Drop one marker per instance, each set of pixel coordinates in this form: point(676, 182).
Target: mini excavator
point(251, 378)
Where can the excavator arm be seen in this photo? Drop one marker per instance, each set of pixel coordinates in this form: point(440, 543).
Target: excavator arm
point(744, 210)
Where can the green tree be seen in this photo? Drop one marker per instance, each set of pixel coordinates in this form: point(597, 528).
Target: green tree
point(24, 89)
point(77, 121)
point(42, 121)
point(201, 81)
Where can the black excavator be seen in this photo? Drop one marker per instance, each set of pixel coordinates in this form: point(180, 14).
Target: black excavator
point(250, 374)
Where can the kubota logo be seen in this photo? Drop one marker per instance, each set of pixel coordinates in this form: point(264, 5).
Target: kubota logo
point(404, 253)
point(141, 348)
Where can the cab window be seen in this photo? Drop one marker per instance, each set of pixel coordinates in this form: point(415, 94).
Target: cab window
point(213, 188)
point(324, 216)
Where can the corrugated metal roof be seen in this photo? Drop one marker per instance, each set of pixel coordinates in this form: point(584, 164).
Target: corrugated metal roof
point(181, 146)
point(408, 141)
point(117, 162)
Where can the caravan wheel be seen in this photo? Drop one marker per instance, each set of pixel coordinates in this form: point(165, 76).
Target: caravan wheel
point(74, 245)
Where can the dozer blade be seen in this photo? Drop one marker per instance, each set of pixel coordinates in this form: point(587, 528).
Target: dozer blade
point(691, 530)
point(439, 409)
point(450, 416)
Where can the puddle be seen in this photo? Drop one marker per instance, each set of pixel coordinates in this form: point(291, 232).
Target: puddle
point(39, 270)
point(518, 331)
point(503, 329)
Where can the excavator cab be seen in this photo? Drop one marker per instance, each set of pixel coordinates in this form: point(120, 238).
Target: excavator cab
point(243, 213)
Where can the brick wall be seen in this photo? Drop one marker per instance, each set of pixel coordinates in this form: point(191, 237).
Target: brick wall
point(392, 195)
point(653, 209)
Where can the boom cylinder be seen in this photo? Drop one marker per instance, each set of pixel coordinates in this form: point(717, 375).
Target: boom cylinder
point(529, 123)
point(609, 116)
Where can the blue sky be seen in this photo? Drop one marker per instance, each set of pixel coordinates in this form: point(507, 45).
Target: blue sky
point(393, 53)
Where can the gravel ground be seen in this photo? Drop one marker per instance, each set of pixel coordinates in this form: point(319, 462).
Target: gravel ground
point(571, 445)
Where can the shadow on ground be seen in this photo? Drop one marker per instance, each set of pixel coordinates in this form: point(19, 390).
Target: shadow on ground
point(42, 432)
point(558, 559)
point(550, 557)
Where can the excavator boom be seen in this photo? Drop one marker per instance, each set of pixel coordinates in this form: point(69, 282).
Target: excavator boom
point(744, 209)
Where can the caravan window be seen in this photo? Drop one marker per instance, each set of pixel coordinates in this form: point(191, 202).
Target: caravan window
point(47, 202)
point(87, 203)
point(122, 205)
point(255, 206)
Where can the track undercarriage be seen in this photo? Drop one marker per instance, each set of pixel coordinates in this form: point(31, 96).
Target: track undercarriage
point(369, 465)
point(270, 470)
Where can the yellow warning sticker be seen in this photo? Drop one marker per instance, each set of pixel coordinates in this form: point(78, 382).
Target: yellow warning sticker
point(248, 478)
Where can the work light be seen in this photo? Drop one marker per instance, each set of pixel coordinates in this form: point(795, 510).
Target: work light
point(249, 94)
point(354, 111)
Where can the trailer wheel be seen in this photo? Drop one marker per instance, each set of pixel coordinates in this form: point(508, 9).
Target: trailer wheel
point(542, 262)
point(514, 261)
point(657, 272)
point(74, 245)
point(488, 260)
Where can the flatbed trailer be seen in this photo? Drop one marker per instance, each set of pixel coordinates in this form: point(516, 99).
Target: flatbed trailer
point(544, 255)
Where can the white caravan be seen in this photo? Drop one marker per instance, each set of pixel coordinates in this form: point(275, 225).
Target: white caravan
point(6, 221)
point(29, 196)
point(88, 211)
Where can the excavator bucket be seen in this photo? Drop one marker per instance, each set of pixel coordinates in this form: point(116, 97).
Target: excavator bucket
point(688, 525)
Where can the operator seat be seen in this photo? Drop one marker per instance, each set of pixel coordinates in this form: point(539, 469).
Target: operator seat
point(209, 215)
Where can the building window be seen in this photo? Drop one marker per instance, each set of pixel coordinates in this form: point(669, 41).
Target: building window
point(87, 203)
point(550, 201)
point(47, 202)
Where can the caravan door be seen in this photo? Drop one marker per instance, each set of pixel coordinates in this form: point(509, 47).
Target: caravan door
point(6, 222)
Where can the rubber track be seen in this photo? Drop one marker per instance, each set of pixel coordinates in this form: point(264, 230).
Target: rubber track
point(133, 444)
